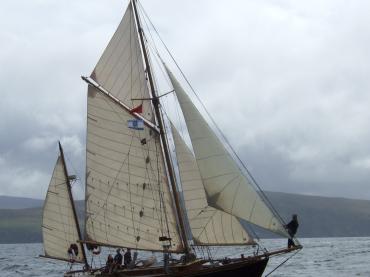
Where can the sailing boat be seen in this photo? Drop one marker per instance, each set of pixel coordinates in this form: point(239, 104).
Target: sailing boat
point(141, 195)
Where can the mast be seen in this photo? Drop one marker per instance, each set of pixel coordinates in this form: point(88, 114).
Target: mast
point(158, 114)
point(73, 205)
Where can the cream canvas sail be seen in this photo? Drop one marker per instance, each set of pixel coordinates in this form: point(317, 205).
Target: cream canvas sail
point(209, 226)
point(132, 196)
point(59, 229)
point(120, 69)
point(226, 187)
point(128, 201)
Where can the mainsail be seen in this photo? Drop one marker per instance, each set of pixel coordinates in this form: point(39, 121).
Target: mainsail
point(59, 226)
point(120, 69)
point(209, 226)
point(226, 187)
point(128, 202)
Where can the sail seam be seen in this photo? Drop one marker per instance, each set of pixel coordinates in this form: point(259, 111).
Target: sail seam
point(103, 57)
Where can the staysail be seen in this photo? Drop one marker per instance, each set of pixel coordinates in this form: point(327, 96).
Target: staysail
point(128, 201)
point(226, 187)
point(209, 226)
point(120, 69)
point(59, 227)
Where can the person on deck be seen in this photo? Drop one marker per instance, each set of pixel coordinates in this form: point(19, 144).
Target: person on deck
point(118, 259)
point(109, 264)
point(72, 252)
point(127, 257)
point(292, 228)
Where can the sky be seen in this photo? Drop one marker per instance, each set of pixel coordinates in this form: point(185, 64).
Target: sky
point(286, 81)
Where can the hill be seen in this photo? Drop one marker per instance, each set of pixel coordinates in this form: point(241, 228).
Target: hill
point(24, 225)
point(10, 202)
point(324, 216)
point(318, 216)
point(20, 225)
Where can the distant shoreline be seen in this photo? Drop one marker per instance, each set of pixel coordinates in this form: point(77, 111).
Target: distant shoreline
point(319, 217)
point(40, 242)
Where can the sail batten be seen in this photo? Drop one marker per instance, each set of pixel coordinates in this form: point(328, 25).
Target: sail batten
point(226, 187)
point(209, 226)
point(128, 202)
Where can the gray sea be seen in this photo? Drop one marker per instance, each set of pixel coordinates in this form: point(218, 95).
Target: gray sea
point(319, 257)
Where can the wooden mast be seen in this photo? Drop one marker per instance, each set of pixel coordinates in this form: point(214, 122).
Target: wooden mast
point(69, 188)
point(159, 118)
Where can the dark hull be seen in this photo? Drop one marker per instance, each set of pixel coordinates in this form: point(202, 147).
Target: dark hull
point(251, 269)
point(243, 268)
point(248, 267)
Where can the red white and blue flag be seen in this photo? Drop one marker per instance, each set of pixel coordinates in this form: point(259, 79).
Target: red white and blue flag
point(137, 124)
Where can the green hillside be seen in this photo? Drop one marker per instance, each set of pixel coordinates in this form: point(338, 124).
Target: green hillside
point(20, 226)
point(318, 217)
point(325, 216)
point(24, 225)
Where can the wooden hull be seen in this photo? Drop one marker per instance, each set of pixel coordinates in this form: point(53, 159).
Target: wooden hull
point(241, 269)
point(237, 268)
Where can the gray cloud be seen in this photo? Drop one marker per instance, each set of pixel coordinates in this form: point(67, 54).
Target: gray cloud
point(287, 81)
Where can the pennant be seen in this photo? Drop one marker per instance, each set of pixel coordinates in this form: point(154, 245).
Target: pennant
point(137, 124)
point(138, 109)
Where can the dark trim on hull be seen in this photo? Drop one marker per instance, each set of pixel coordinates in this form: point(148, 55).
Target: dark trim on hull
point(248, 267)
point(253, 269)
point(244, 268)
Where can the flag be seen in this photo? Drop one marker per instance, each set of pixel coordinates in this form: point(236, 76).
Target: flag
point(138, 109)
point(137, 124)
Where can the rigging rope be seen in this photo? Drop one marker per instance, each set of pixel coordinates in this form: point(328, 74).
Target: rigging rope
point(259, 191)
point(282, 263)
point(157, 58)
point(149, 47)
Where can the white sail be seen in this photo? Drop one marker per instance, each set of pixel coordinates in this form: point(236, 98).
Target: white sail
point(120, 69)
point(226, 187)
point(59, 229)
point(127, 197)
point(209, 226)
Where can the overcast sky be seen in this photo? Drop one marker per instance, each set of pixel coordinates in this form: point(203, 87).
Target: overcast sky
point(287, 81)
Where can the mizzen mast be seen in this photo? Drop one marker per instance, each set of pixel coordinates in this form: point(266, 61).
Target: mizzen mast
point(69, 189)
point(159, 118)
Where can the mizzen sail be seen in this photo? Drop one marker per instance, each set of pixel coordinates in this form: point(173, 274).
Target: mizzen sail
point(59, 227)
point(128, 201)
point(226, 187)
point(209, 226)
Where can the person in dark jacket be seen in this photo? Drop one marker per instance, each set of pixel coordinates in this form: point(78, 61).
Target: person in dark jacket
point(292, 228)
point(118, 259)
point(127, 257)
point(109, 264)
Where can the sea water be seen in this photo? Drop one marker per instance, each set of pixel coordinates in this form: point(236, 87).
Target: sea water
point(319, 257)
